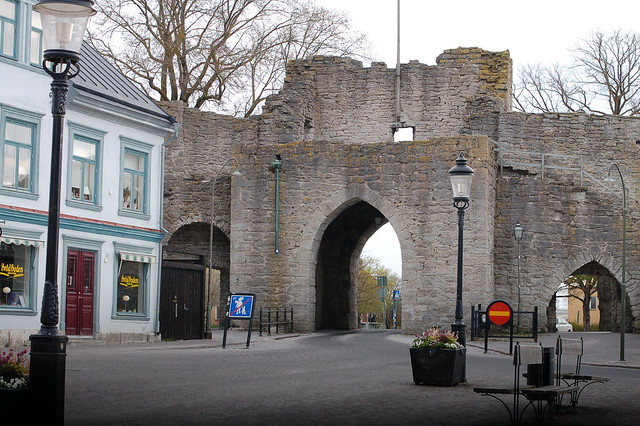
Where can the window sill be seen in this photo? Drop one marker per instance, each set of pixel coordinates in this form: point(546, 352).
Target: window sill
point(25, 311)
point(130, 317)
point(86, 205)
point(20, 193)
point(134, 214)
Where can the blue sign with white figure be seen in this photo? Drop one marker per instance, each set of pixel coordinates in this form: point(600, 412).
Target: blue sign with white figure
point(241, 306)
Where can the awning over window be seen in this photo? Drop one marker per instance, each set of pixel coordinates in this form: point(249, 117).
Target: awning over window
point(137, 257)
point(22, 242)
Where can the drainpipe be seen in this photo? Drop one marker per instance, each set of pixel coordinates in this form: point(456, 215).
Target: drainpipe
point(277, 166)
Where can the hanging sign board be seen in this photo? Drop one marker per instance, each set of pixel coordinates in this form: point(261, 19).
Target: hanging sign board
point(239, 307)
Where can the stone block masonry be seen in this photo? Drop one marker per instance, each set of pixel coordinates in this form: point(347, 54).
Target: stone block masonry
point(332, 125)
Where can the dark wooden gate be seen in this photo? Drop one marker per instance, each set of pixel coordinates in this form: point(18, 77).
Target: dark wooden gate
point(181, 301)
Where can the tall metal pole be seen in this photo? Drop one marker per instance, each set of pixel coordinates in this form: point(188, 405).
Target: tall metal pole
point(518, 231)
point(459, 326)
point(48, 346)
point(277, 166)
point(623, 290)
point(519, 289)
point(211, 224)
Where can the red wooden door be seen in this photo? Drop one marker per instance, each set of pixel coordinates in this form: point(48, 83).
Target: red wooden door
point(80, 285)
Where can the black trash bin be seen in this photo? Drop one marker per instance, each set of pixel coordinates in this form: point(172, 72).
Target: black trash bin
point(542, 374)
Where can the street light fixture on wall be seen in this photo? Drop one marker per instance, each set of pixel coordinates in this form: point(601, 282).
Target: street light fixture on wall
point(63, 26)
point(518, 231)
point(211, 225)
point(623, 290)
point(461, 177)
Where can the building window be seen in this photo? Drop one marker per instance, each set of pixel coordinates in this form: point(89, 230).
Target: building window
point(134, 181)
point(593, 302)
point(15, 276)
point(18, 154)
point(84, 170)
point(8, 27)
point(35, 46)
point(131, 289)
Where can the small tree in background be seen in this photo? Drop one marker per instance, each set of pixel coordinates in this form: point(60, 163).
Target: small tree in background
point(369, 269)
point(583, 287)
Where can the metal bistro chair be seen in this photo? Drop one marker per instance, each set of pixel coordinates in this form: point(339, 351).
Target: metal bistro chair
point(573, 347)
point(524, 355)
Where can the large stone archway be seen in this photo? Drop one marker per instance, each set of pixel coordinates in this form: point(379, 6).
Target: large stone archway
point(336, 268)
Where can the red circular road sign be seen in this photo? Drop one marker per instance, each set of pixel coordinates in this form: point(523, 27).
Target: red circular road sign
point(499, 312)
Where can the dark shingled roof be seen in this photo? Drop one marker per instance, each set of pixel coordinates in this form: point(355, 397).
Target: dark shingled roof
point(99, 77)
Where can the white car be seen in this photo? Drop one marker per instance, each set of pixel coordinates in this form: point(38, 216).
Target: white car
point(563, 325)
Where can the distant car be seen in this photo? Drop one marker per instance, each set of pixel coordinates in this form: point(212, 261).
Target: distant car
point(563, 325)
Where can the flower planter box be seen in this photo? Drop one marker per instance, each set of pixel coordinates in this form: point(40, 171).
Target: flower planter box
point(437, 366)
point(14, 404)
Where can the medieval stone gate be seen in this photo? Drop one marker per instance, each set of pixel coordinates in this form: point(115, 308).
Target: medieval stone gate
point(331, 125)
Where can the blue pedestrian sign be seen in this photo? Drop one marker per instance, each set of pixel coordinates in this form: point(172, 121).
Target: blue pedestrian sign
point(241, 306)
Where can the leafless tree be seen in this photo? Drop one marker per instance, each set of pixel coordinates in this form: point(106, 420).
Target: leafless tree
point(217, 54)
point(604, 79)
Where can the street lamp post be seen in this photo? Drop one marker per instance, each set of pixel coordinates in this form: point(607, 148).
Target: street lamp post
point(623, 290)
point(63, 26)
point(518, 230)
point(461, 177)
point(211, 224)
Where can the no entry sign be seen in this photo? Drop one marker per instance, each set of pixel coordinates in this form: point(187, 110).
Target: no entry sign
point(499, 312)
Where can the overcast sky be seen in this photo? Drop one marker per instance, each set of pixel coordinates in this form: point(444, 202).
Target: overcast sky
point(541, 31)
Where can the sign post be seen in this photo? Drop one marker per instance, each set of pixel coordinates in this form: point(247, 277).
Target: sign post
point(499, 312)
point(240, 307)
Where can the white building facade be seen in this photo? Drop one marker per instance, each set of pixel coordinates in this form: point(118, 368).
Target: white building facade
point(111, 193)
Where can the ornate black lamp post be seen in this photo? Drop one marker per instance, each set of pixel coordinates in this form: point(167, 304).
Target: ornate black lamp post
point(63, 26)
point(518, 231)
point(461, 177)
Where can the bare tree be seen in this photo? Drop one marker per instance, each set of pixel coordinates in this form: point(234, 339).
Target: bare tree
point(604, 79)
point(224, 54)
point(582, 287)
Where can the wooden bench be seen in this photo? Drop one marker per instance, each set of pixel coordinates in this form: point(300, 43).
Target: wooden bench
point(573, 347)
point(522, 356)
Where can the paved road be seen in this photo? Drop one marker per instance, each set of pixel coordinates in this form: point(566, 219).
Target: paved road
point(331, 378)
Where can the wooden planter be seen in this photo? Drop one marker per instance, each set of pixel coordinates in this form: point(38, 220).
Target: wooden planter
point(437, 366)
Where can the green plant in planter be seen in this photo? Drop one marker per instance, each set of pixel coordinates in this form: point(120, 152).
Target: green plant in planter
point(435, 337)
point(14, 370)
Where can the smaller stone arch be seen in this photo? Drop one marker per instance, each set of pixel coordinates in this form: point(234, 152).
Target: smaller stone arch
point(608, 289)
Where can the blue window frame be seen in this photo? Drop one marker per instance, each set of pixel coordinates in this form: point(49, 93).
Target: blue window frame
point(8, 28)
point(85, 167)
point(35, 43)
point(18, 154)
point(134, 178)
point(19, 136)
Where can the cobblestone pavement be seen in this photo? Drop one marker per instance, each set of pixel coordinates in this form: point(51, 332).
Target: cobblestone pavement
point(329, 378)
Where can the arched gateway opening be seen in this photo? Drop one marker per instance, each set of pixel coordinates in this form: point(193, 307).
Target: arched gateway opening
point(336, 268)
point(589, 299)
point(193, 295)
